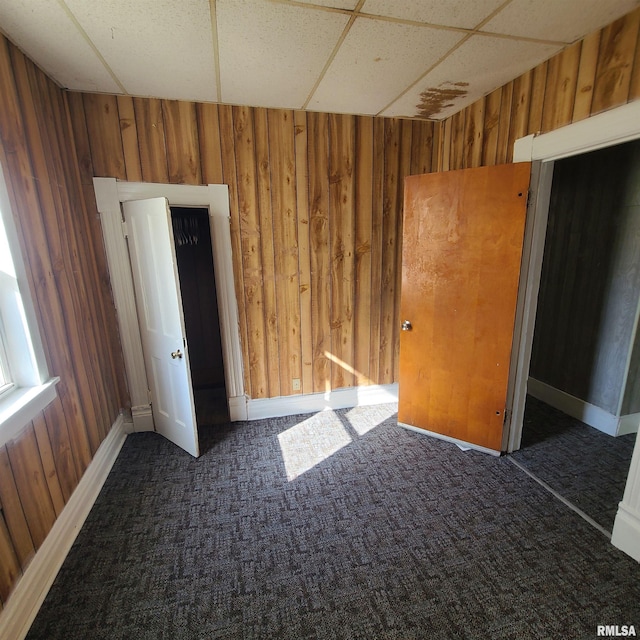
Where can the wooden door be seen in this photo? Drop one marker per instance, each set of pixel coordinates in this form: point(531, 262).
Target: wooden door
point(159, 305)
point(462, 245)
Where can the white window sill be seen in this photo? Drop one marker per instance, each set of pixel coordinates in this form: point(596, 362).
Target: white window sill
point(23, 405)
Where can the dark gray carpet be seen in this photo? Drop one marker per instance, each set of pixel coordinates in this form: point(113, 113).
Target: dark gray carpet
point(394, 535)
point(587, 467)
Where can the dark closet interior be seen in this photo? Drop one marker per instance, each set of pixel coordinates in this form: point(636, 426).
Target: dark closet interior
point(192, 237)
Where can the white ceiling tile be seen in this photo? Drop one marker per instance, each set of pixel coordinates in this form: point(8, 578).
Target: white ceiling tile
point(452, 13)
point(564, 21)
point(44, 31)
point(477, 67)
point(272, 54)
point(376, 62)
point(154, 47)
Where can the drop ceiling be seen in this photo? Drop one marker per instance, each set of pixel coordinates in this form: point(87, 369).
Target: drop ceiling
point(403, 58)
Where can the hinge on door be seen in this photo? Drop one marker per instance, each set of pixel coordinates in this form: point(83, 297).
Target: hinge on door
point(125, 229)
point(149, 395)
point(507, 417)
point(528, 197)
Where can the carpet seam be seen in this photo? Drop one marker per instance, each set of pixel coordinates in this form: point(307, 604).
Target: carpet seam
point(562, 499)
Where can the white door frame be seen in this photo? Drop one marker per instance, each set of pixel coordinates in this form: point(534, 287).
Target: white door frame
point(110, 193)
point(612, 127)
point(603, 130)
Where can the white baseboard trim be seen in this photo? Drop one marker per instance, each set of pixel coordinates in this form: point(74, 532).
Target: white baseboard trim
point(142, 418)
point(314, 402)
point(465, 446)
point(32, 588)
point(628, 424)
point(626, 531)
point(576, 408)
point(237, 408)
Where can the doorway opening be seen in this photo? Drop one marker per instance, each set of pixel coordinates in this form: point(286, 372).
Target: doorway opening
point(586, 348)
point(194, 256)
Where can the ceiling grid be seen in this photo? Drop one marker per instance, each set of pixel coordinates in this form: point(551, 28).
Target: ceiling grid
point(398, 58)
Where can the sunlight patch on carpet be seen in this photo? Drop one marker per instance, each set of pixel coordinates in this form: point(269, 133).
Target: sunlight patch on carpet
point(310, 442)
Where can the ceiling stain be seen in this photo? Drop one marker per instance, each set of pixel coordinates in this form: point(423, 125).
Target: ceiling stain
point(435, 99)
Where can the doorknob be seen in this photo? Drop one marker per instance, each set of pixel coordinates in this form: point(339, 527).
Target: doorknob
point(176, 354)
point(406, 325)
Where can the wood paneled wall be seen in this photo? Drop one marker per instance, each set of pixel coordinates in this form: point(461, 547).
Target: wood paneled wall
point(69, 284)
point(598, 73)
point(315, 219)
point(316, 198)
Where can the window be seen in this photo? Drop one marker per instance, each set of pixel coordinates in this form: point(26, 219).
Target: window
point(25, 386)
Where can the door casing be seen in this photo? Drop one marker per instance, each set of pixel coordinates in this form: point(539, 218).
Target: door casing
point(110, 193)
point(609, 128)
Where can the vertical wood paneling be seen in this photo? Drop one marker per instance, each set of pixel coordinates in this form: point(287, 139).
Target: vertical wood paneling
point(504, 124)
point(9, 565)
point(109, 334)
point(318, 149)
point(363, 239)
point(634, 88)
point(31, 484)
point(227, 145)
point(62, 447)
point(457, 139)
point(285, 243)
point(615, 62)
point(249, 220)
point(46, 175)
point(341, 200)
point(474, 135)
point(181, 138)
point(421, 146)
point(377, 216)
point(304, 263)
point(151, 141)
point(14, 513)
point(520, 107)
point(586, 76)
point(560, 94)
point(390, 243)
point(600, 72)
point(404, 170)
point(129, 133)
point(270, 306)
point(48, 464)
point(209, 139)
point(102, 115)
point(538, 84)
point(491, 122)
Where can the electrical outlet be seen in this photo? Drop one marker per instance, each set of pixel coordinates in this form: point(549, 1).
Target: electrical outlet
point(296, 384)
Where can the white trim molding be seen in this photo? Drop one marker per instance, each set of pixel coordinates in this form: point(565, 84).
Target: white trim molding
point(629, 423)
point(575, 407)
point(110, 194)
point(626, 528)
point(32, 588)
point(314, 402)
point(602, 130)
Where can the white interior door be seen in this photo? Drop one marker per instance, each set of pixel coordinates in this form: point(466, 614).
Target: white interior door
point(159, 305)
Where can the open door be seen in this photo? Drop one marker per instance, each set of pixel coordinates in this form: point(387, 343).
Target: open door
point(462, 245)
point(158, 300)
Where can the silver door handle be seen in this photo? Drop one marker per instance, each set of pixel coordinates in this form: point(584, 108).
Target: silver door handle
point(176, 354)
point(406, 325)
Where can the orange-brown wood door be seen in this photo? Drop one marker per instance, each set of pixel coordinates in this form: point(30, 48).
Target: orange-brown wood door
point(462, 245)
